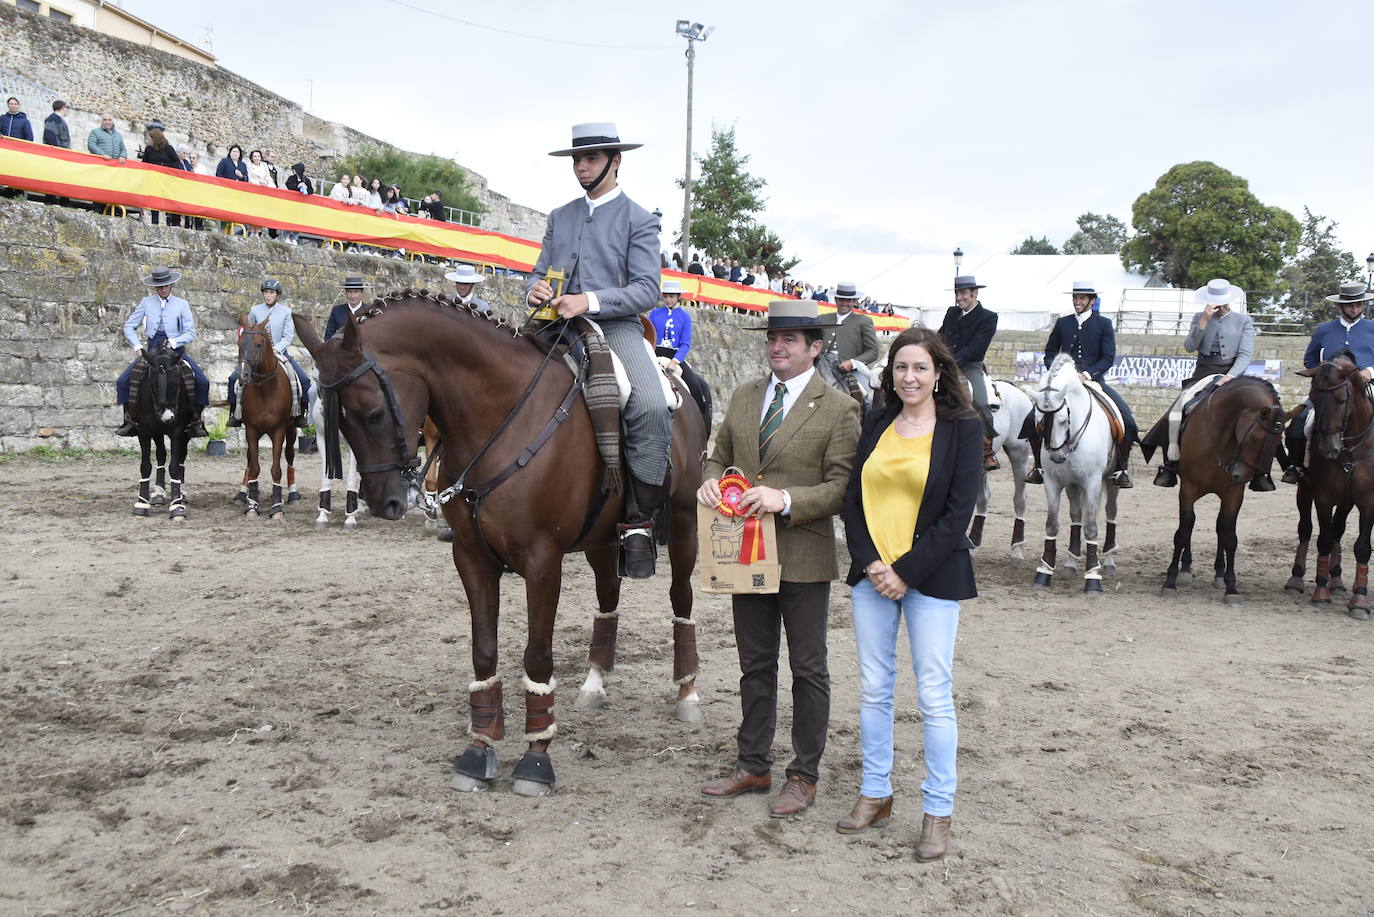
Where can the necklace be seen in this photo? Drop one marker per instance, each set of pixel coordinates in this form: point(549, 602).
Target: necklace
point(916, 425)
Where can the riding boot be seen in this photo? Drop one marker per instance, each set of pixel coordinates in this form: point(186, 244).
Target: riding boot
point(129, 427)
point(637, 548)
point(195, 427)
point(1122, 476)
point(1167, 476)
point(1294, 473)
point(1296, 442)
point(1035, 477)
point(990, 462)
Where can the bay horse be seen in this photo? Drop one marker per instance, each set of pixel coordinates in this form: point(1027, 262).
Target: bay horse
point(524, 488)
point(162, 411)
point(1009, 428)
point(1079, 444)
point(1340, 471)
point(1230, 436)
point(268, 409)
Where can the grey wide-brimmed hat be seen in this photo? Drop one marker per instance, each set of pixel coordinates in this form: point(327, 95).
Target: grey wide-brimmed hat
point(1219, 292)
point(161, 277)
point(671, 286)
point(354, 282)
point(595, 135)
point(1082, 288)
point(967, 282)
point(1352, 291)
point(846, 289)
point(464, 274)
point(793, 315)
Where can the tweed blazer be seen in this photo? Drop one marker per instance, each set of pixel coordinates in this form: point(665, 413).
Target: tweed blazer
point(612, 252)
point(854, 339)
point(810, 457)
point(1233, 335)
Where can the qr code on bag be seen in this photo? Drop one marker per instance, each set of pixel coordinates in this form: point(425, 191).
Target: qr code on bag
point(758, 580)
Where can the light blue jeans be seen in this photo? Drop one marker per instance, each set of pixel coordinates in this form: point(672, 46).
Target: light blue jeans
point(931, 625)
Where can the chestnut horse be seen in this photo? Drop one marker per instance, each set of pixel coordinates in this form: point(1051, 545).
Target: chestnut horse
point(1230, 435)
point(524, 488)
point(267, 405)
point(1340, 472)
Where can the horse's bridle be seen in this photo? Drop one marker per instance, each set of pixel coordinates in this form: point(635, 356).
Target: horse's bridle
point(1348, 443)
point(251, 369)
point(1273, 434)
point(406, 462)
point(1071, 437)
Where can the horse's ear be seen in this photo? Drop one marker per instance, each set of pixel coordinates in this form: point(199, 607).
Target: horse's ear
point(352, 339)
point(1309, 373)
point(243, 320)
point(306, 333)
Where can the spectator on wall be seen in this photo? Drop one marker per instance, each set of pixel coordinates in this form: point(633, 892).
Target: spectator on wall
point(436, 206)
point(106, 141)
point(270, 158)
point(392, 202)
point(190, 162)
point(357, 191)
point(232, 165)
point(695, 266)
point(14, 123)
point(297, 181)
point(55, 130)
point(720, 269)
point(374, 195)
point(158, 152)
point(340, 190)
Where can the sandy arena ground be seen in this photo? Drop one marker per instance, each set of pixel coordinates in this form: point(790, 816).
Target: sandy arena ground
point(234, 717)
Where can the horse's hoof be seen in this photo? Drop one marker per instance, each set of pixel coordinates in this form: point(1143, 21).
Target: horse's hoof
point(350, 524)
point(533, 774)
point(689, 709)
point(321, 524)
point(1234, 600)
point(1042, 580)
point(1321, 596)
point(1018, 563)
point(465, 784)
point(158, 500)
point(294, 497)
point(140, 510)
point(275, 515)
point(1359, 608)
point(250, 514)
point(241, 497)
point(531, 788)
point(590, 700)
point(1109, 568)
point(1184, 578)
point(178, 517)
point(1219, 582)
point(1168, 592)
point(1335, 584)
point(1092, 586)
point(1295, 585)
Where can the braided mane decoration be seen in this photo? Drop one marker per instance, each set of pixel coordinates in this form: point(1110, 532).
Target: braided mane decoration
point(379, 305)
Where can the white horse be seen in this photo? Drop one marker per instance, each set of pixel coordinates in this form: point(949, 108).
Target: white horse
point(1079, 445)
point(1007, 420)
point(351, 477)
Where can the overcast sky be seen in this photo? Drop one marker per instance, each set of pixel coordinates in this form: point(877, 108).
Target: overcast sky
point(881, 127)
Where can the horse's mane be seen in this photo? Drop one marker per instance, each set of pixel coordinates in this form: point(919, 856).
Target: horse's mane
point(1256, 380)
point(1059, 361)
point(443, 301)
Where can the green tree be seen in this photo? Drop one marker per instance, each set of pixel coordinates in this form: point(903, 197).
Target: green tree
point(1200, 222)
point(416, 175)
point(725, 199)
point(1097, 235)
point(1319, 270)
point(1033, 246)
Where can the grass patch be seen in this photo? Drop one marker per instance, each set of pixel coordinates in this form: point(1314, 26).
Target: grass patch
point(66, 454)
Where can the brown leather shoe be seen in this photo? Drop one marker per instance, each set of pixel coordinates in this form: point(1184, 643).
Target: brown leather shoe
point(990, 462)
point(795, 798)
point(868, 812)
point(738, 781)
point(934, 842)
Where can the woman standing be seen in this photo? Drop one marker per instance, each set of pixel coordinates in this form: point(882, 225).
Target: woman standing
point(231, 166)
point(259, 173)
point(910, 498)
point(374, 195)
point(158, 152)
point(357, 192)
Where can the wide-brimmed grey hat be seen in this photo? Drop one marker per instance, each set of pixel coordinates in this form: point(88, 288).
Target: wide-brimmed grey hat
point(595, 135)
point(161, 277)
point(846, 289)
point(1082, 288)
point(1352, 291)
point(967, 282)
point(671, 285)
point(464, 274)
point(1219, 292)
point(793, 315)
point(354, 282)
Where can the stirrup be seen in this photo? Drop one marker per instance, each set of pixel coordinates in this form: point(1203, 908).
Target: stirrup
point(1294, 474)
point(637, 550)
point(1122, 479)
point(235, 421)
point(1034, 476)
point(1166, 477)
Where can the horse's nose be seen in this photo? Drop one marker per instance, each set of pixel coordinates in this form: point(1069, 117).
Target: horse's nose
point(393, 508)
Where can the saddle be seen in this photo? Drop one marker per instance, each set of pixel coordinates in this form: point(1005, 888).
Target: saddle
point(1182, 407)
point(1118, 425)
point(295, 391)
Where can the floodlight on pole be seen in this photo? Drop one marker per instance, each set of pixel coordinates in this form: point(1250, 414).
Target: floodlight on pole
point(1369, 263)
point(693, 32)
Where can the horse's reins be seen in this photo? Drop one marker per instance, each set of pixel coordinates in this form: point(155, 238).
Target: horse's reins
point(1273, 434)
point(1348, 443)
point(405, 463)
point(254, 378)
point(1071, 439)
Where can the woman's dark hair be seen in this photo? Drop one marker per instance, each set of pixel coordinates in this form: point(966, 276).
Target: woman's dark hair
point(393, 194)
point(231, 151)
point(378, 183)
point(952, 400)
point(156, 139)
point(257, 153)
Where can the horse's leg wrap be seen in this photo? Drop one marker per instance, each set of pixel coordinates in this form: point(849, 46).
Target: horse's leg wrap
point(276, 500)
point(1322, 592)
point(488, 714)
point(142, 504)
point(1018, 532)
point(326, 500)
point(1044, 574)
point(1092, 575)
point(975, 532)
point(539, 720)
point(1109, 545)
point(1076, 540)
point(160, 485)
point(601, 655)
point(1359, 592)
point(685, 661)
point(351, 502)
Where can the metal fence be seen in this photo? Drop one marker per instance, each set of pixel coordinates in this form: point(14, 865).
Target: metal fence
point(457, 215)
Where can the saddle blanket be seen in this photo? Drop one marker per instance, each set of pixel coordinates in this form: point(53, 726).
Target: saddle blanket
point(1182, 406)
point(295, 392)
point(671, 393)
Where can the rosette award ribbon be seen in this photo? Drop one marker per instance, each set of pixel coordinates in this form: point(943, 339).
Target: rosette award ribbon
point(732, 488)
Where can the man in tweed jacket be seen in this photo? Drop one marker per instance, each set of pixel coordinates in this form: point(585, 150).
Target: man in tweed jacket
point(608, 247)
point(799, 470)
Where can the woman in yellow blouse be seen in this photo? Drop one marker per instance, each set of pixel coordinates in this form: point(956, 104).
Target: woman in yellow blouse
point(910, 498)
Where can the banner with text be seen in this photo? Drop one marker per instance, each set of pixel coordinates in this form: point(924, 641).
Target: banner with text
point(1145, 372)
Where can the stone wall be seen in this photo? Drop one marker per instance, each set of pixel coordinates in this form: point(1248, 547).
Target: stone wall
point(206, 107)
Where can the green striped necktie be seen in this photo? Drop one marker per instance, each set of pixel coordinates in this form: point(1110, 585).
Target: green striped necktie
point(771, 420)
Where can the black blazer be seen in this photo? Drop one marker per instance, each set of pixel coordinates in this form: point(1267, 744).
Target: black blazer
point(968, 337)
point(1093, 346)
point(939, 563)
point(338, 317)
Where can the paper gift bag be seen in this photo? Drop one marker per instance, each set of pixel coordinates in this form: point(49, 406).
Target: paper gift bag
point(724, 542)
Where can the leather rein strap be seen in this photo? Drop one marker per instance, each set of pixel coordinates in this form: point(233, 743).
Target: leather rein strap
point(405, 463)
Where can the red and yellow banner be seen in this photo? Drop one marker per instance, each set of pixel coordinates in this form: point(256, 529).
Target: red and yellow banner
point(80, 175)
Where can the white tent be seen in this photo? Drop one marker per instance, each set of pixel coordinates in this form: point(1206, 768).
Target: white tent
point(1026, 291)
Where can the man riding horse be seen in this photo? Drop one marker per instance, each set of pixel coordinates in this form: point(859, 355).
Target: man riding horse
point(167, 322)
point(607, 246)
point(278, 317)
point(1089, 337)
point(673, 342)
point(852, 338)
point(968, 329)
point(1348, 331)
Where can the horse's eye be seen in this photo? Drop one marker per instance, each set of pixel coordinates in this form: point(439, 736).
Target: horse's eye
point(376, 417)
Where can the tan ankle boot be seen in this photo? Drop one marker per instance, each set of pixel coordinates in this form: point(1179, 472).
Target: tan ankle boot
point(868, 812)
point(934, 842)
